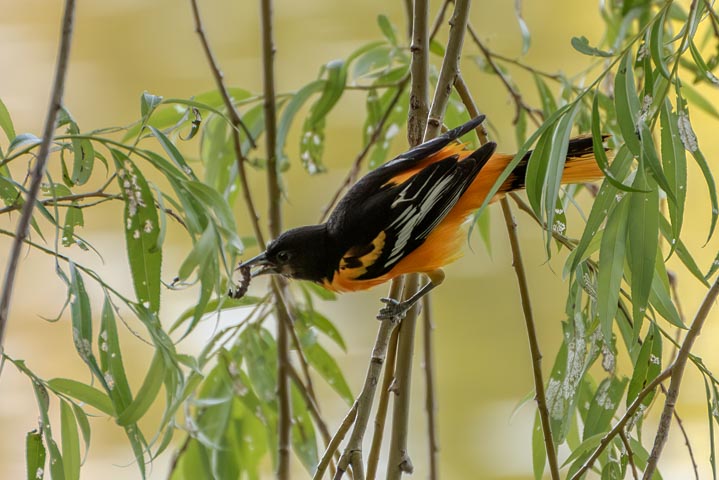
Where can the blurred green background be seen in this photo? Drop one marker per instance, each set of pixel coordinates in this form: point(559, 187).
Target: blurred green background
point(124, 47)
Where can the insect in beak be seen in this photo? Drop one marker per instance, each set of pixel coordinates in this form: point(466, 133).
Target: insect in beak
point(260, 264)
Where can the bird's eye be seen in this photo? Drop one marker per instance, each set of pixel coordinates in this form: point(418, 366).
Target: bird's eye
point(283, 256)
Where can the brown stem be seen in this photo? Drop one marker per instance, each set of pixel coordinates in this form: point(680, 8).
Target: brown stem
point(431, 397)
point(334, 444)
point(419, 68)
point(540, 395)
point(38, 172)
point(630, 454)
point(677, 376)
point(382, 405)
point(237, 123)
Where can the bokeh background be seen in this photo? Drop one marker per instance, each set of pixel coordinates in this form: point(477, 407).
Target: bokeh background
point(124, 47)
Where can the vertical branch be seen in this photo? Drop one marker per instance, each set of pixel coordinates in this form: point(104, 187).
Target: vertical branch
point(431, 401)
point(540, 395)
point(419, 94)
point(676, 379)
point(275, 226)
point(450, 68)
point(38, 172)
point(236, 123)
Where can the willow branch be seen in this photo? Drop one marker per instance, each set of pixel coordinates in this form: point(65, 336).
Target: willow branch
point(399, 460)
point(622, 422)
point(382, 405)
point(419, 68)
point(516, 96)
point(334, 443)
point(236, 123)
point(431, 397)
point(540, 396)
point(21, 231)
point(450, 68)
point(630, 454)
point(676, 379)
point(353, 450)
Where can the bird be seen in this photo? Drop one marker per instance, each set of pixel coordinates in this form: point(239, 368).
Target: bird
point(406, 216)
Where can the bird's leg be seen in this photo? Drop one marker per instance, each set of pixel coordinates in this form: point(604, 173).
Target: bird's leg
point(395, 310)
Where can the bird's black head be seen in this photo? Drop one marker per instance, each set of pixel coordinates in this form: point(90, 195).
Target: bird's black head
point(304, 253)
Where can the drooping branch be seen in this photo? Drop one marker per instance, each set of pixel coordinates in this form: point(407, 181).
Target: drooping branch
point(38, 172)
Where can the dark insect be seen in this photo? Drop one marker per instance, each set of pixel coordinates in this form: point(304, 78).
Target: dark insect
point(244, 284)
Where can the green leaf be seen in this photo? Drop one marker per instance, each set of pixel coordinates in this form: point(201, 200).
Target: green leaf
point(682, 251)
point(148, 103)
point(646, 367)
point(70, 442)
point(83, 393)
point(546, 96)
point(539, 452)
point(24, 140)
point(656, 45)
point(304, 438)
point(6, 122)
point(290, 112)
point(84, 425)
point(537, 170)
point(111, 359)
point(387, 29)
point(202, 249)
point(73, 218)
point(35, 456)
point(627, 104)
point(675, 168)
point(173, 152)
point(581, 44)
point(642, 242)
point(83, 161)
point(611, 267)
point(141, 231)
point(328, 369)
point(215, 305)
point(82, 321)
point(312, 139)
point(604, 405)
point(324, 325)
point(523, 28)
point(147, 393)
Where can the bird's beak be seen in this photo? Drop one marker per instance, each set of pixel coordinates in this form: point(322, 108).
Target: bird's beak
point(263, 264)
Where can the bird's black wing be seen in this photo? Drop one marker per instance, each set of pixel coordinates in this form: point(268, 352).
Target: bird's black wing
point(398, 218)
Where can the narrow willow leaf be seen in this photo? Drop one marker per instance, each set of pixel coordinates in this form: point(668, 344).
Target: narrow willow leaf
point(648, 363)
point(70, 442)
point(651, 161)
point(26, 141)
point(581, 44)
point(57, 472)
point(147, 393)
point(711, 406)
point(215, 305)
point(148, 103)
point(173, 152)
point(209, 274)
point(549, 105)
point(539, 452)
point(83, 162)
point(328, 369)
point(537, 171)
point(315, 319)
point(260, 350)
point(388, 30)
point(82, 322)
point(598, 147)
point(202, 248)
point(34, 456)
point(656, 45)
point(85, 429)
point(642, 242)
point(6, 122)
point(484, 225)
point(704, 70)
point(83, 393)
point(111, 359)
point(611, 267)
point(73, 218)
point(627, 103)
point(303, 436)
point(675, 168)
point(141, 231)
point(290, 112)
point(523, 28)
point(660, 296)
point(682, 251)
point(603, 406)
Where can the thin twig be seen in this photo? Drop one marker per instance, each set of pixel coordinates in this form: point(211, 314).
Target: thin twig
point(450, 68)
point(619, 426)
point(630, 454)
point(419, 68)
point(38, 172)
point(399, 460)
point(516, 96)
point(353, 450)
point(431, 397)
point(676, 380)
point(540, 396)
point(236, 122)
point(334, 443)
point(382, 405)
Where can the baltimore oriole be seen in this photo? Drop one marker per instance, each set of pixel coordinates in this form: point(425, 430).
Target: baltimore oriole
point(405, 217)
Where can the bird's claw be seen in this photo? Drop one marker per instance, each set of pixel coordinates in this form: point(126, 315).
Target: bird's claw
point(394, 309)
